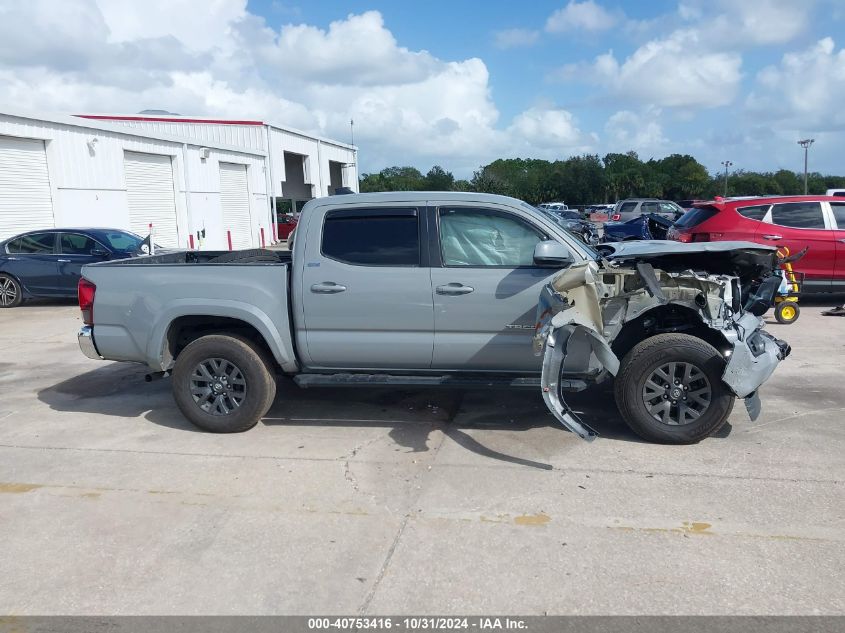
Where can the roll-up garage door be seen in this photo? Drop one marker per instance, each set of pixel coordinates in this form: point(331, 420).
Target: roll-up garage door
point(149, 186)
point(25, 200)
point(234, 198)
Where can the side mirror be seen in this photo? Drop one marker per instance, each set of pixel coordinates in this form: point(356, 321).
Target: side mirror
point(551, 253)
point(98, 251)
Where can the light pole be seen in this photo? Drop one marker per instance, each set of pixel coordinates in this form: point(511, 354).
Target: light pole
point(806, 145)
point(727, 164)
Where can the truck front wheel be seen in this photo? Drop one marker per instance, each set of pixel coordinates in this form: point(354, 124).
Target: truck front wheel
point(669, 389)
point(223, 384)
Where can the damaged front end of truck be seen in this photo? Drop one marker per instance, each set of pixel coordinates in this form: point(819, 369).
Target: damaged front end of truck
point(594, 312)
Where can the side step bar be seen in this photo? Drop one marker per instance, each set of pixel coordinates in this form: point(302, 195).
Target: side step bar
point(387, 380)
point(442, 382)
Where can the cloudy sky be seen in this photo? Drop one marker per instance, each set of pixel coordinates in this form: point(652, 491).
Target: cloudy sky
point(457, 83)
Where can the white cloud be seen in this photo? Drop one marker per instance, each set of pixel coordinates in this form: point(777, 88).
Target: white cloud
point(408, 105)
point(580, 16)
point(199, 27)
point(760, 22)
point(806, 90)
point(678, 71)
point(547, 128)
point(642, 132)
point(515, 38)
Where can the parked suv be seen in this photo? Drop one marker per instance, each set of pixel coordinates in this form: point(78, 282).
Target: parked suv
point(634, 207)
point(796, 222)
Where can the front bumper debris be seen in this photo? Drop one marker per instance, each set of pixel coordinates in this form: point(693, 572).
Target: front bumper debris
point(584, 309)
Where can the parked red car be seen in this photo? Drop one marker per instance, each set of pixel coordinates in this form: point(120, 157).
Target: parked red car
point(285, 226)
point(796, 222)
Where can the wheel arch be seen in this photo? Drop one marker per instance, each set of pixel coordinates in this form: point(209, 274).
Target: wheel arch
point(176, 329)
point(665, 319)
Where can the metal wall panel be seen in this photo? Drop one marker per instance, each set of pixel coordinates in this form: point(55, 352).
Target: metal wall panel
point(25, 199)
point(152, 197)
point(234, 198)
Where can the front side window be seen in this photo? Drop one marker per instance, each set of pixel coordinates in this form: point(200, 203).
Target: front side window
point(798, 215)
point(76, 244)
point(121, 240)
point(35, 244)
point(372, 237)
point(478, 237)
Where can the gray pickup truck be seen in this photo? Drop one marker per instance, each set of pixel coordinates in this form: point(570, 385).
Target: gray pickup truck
point(445, 289)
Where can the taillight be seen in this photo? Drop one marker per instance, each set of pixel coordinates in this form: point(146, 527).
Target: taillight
point(85, 292)
point(616, 217)
point(684, 237)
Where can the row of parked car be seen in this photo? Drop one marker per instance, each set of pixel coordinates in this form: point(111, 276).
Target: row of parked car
point(47, 263)
point(813, 224)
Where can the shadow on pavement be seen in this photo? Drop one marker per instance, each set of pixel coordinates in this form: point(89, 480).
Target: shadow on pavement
point(119, 389)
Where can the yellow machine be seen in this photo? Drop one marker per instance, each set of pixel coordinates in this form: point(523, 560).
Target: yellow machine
point(786, 301)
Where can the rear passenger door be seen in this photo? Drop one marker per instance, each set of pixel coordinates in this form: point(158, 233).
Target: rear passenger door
point(32, 259)
point(485, 286)
point(366, 290)
point(797, 225)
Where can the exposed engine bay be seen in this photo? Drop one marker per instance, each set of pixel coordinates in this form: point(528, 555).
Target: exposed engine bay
point(592, 313)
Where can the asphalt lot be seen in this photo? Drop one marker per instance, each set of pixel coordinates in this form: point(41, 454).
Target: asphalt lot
point(409, 502)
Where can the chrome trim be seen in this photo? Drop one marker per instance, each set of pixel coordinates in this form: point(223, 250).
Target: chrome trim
point(86, 342)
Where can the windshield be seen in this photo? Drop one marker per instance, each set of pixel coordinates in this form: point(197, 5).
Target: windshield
point(121, 240)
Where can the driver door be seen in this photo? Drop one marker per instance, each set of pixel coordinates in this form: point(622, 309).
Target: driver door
point(485, 289)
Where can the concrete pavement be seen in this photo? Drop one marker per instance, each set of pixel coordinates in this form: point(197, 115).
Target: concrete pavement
point(383, 501)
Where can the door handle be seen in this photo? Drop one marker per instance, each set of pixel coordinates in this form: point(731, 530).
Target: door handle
point(327, 288)
point(773, 237)
point(63, 261)
point(454, 288)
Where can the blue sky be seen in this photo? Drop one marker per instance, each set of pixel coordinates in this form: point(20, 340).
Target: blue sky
point(457, 83)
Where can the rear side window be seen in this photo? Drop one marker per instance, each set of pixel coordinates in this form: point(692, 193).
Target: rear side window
point(627, 206)
point(35, 244)
point(650, 207)
point(757, 212)
point(798, 215)
point(696, 216)
point(838, 209)
point(372, 237)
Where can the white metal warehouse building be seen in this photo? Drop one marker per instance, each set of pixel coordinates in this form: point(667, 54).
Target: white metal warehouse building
point(202, 183)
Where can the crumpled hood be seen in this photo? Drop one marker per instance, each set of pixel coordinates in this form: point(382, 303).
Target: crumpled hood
point(745, 260)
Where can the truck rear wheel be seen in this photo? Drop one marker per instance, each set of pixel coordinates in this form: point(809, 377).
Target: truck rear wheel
point(669, 389)
point(223, 383)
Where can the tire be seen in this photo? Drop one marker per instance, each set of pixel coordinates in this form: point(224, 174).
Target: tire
point(246, 399)
point(695, 414)
point(11, 293)
point(787, 312)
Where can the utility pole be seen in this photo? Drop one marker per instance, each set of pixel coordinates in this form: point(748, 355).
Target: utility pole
point(806, 145)
point(727, 164)
point(352, 131)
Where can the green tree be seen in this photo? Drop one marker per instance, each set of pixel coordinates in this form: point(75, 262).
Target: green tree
point(438, 179)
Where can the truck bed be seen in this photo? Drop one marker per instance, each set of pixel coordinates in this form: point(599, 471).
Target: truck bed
point(138, 300)
point(251, 256)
